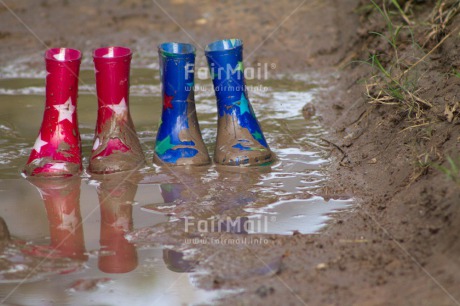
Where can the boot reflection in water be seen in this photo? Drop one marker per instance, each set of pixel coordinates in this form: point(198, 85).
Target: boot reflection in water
point(240, 140)
point(228, 192)
point(188, 187)
point(57, 149)
point(62, 203)
point(179, 141)
point(172, 192)
point(116, 195)
point(116, 145)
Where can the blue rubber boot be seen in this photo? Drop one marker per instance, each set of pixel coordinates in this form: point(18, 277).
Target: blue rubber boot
point(240, 140)
point(179, 141)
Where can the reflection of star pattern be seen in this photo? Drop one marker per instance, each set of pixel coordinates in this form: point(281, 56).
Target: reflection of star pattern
point(257, 135)
point(42, 193)
point(233, 41)
point(39, 143)
point(164, 145)
point(243, 105)
point(69, 222)
point(65, 110)
point(122, 222)
point(167, 101)
point(120, 108)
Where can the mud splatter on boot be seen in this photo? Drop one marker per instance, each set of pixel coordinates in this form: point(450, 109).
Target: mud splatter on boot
point(240, 140)
point(57, 149)
point(179, 141)
point(116, 145)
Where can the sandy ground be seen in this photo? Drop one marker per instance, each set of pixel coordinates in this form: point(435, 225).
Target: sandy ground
point(399, 245)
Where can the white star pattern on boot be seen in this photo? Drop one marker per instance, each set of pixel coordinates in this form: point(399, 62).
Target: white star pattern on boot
point(39, 143)
point(96, 144)
point(110, 54)
point(61, 55)
point(69, 222)
point(59, 166)
point(65, 110)
point(119, 109)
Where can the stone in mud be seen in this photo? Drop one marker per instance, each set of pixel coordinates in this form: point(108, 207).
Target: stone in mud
point(175, 261)
point(263, 291)
point(308, 111)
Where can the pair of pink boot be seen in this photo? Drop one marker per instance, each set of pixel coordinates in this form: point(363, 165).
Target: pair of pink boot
point(57, 150)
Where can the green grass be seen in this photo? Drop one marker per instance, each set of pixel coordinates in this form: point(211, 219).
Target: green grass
point(391, 83)
point(452, 170)
point(399, 52)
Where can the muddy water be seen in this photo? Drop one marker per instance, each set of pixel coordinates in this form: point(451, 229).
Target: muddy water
point(53, 259)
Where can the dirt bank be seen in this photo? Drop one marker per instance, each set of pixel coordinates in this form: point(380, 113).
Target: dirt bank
point(400, 244)
point(396, 148)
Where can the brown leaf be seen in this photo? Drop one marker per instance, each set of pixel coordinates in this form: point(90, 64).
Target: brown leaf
point(450, 112)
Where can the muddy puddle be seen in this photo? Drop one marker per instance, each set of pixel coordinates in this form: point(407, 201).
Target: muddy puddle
point(127, 239)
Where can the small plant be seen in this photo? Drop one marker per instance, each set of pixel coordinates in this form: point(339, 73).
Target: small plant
point(389, 90)
point(455, 73)
point(394, 85)
point(452, 170)
point(425, 159)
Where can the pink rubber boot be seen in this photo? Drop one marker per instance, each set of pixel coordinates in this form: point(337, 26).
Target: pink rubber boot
point(116, 145)
point(57, 150)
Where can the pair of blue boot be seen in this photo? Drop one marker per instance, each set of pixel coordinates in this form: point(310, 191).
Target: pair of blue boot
point(240, 140)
